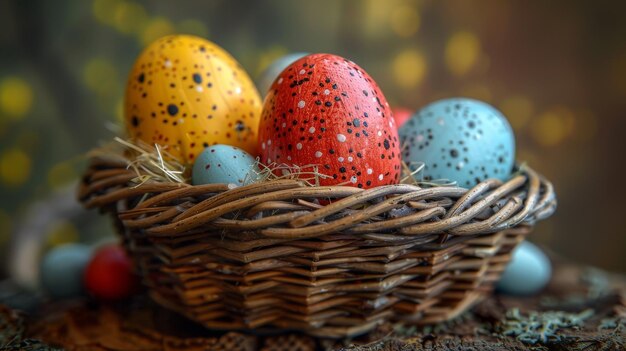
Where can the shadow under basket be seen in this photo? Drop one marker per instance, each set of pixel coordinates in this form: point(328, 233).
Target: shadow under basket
point(278, 255)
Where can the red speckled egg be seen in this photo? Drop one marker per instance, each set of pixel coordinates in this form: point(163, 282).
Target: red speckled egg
point(324, 113)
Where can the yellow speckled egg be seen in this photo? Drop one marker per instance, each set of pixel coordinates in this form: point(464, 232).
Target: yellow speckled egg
point(186, 93)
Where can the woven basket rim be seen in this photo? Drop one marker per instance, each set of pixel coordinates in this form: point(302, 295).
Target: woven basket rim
point(524, 199)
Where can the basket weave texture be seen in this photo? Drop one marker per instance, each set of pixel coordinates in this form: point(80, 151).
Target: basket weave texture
point(331, 261)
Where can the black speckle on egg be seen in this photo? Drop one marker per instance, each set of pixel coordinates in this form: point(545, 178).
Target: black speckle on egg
point(141, 78)
point(240, 126)
point(172, 109)
point(386, 144)
point(197, 78)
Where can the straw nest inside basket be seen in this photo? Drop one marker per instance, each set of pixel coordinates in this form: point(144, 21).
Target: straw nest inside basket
point(152, 163)
point(328, 260)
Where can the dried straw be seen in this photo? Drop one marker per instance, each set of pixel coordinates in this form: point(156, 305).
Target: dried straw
point(150, 162)
point(416, 176)
point(277, 171)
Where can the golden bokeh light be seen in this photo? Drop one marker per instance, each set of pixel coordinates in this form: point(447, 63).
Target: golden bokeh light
point(104, 10)
point(553, 126)
point(567, 116)
point(156, 28)
point(409, 68)
point(100, 76)
point(478, 92)
point(374, 22)
point(61, 232)
point(405, 21)
point(16, 97)
point(5, 227)
point(462, 52)
point(61, 174)
point(15, 167)
point(548, 129)
point(129, 17)
point(193, 27)
point(518, 110)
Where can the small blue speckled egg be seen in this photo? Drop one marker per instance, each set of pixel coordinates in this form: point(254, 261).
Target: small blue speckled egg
point(61, 272)
point(224, 164)
point(459, 139)
point(273, 70)
point(528, 272)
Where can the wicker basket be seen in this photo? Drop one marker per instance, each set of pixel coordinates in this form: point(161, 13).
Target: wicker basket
point(273, 256)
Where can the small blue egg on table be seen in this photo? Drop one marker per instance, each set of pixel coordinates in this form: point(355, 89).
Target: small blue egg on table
point(61, 271)
point(459, 139)
point(224, 164)
point(527, 273)
point(273, 70)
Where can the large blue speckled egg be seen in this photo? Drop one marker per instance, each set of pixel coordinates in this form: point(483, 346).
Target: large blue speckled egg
point(61, 271)
point(224, 164)
point(459, 139)
point(527, 273)
point(273, 70)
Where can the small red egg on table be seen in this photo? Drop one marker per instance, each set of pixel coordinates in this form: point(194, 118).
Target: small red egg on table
point(109, 275)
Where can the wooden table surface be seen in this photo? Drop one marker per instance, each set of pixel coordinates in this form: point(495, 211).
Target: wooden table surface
point(582, 309)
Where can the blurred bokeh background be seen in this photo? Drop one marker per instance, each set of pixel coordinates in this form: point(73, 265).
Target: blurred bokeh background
point(557, 69)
